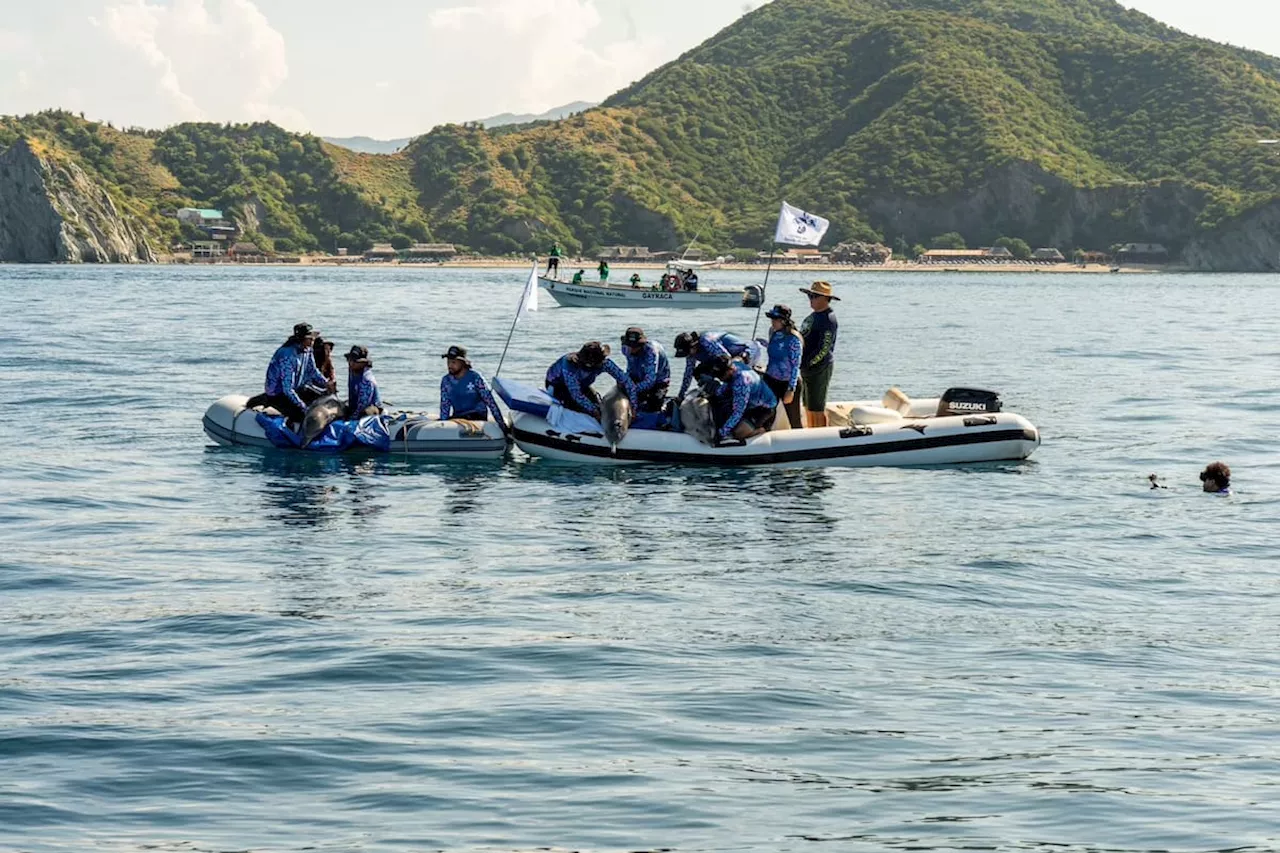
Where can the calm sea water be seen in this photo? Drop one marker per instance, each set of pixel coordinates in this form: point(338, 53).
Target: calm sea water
point(205, 649)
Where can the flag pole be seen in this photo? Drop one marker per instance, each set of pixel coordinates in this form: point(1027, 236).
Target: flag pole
point(524, 295)
point(764, 290)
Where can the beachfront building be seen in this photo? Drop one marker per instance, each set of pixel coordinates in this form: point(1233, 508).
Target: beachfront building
point(1142, 253)
point(381, 253)
point(245, 252)
point(210, 221)
point(625, 253)
point(861, 253)
point(798, 256)
point(1048, 256)
point(420, 253)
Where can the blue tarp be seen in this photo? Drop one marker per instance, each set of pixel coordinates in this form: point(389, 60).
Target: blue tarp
point(370, 433)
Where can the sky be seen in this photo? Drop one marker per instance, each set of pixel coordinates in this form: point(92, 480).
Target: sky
point(389, 68)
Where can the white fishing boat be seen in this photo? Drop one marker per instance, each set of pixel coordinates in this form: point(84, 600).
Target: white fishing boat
point(230, 423)
point(604, 295)
point(863, 434)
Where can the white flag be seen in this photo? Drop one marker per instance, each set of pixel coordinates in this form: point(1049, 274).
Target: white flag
point(529, 299)
point(797, 228)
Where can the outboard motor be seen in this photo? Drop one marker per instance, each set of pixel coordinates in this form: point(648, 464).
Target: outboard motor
point(752, 296)
point(968, 401)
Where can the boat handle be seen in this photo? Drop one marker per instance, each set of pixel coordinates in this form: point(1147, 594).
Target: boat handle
point(988, 420)
point(855, 431)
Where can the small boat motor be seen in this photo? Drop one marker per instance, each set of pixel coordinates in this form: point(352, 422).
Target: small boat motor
point(752, 296)
point(968, 401)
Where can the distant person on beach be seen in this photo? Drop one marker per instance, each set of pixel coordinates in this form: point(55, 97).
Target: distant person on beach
point(569, 380)
point(553, 261)
point(293, 381)
point(786, 349)
point(463, 393)
point(363, 397)
point(818, 361)
point(577, 277)
point(1216, 479)
point(603, 269)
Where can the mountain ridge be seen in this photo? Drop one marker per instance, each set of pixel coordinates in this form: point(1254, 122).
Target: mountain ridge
point(1077, 124)
point(369, 145)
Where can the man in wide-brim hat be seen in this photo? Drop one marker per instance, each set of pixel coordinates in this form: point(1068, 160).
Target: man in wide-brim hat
point(817, 361)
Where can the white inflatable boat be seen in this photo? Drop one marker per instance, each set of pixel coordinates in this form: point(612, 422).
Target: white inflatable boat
point(863, 434)
point(231, 424)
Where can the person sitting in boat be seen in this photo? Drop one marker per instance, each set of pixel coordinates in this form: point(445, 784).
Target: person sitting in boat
point(603, 269)
point(648, 368)
point(783, 373)
point(363, 398)
point(698, 349)
point(569, 380)
point(293, 381)
point(464, 395)
point(1216, 479)
point(577, 277)
point(690, 281)
point(742, 404)
point(635, 280)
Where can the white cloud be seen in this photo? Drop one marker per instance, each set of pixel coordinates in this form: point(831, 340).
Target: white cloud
point(538, 53)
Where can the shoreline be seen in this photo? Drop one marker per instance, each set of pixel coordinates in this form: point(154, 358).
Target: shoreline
point(1064, 268)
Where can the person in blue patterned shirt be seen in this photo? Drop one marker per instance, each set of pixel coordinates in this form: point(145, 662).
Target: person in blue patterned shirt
point(783, 373)
point(699, 349)
point(463, 392)
point(569, 380)
point(648, 368)
point(293, 380)
point(363, 397)
point(742, 404)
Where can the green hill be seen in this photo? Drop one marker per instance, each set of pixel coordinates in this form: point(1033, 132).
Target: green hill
point(1074, 123)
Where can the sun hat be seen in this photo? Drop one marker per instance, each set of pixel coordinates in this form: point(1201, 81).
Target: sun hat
point(460, 353)
point(685, 342)
point(301, 330)
point(592, 354)
point(779, 312)
point(633, 337)
point(820, 288)
point(358, 353)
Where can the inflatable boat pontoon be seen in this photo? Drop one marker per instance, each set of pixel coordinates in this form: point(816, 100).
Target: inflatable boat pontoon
point(231, 424)
point(863, 434)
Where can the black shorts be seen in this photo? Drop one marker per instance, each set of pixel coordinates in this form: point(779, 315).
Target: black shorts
point(816, 384)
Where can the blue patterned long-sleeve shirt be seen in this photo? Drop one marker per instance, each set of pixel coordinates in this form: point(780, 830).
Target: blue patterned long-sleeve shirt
point(747, 391)
point(710, 346)
point(467, 394)
point(650, 368)
point(785, 350)
point(577, 378)
point(362, 392)
point(292, 368)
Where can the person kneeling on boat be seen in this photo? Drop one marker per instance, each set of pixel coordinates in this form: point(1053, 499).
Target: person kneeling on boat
point(648, 368)
point(569, 380)
point(464, 395)
point(293, 380)
point(363, 397)
point(577, 277)
point(742, 404)
point(699, 349)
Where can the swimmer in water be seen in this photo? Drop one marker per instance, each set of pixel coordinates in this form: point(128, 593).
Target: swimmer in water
point(1216, 479)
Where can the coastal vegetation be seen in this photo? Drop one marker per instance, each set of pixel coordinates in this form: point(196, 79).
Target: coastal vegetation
point(1068, 123)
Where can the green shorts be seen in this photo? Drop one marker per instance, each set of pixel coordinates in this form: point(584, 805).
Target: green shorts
point(814, 387)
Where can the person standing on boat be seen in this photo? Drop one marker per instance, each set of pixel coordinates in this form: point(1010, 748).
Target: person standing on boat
point(553, 260)
point(691, 281)
point(603, 269)
point(698, 349)
point(742, 404)
point(293, 381)
point(577, 277)
point(363, 397)
point(818, 362)
point(786, 349)
point(648, 369)
point(569, 380)
point(463, 392)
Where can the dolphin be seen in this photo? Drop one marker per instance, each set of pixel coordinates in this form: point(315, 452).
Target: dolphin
point(695, 417)
point(320, 414)
point(615, 416)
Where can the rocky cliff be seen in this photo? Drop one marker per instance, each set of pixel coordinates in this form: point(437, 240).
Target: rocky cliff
point(51, 211)
point(1248, 243)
